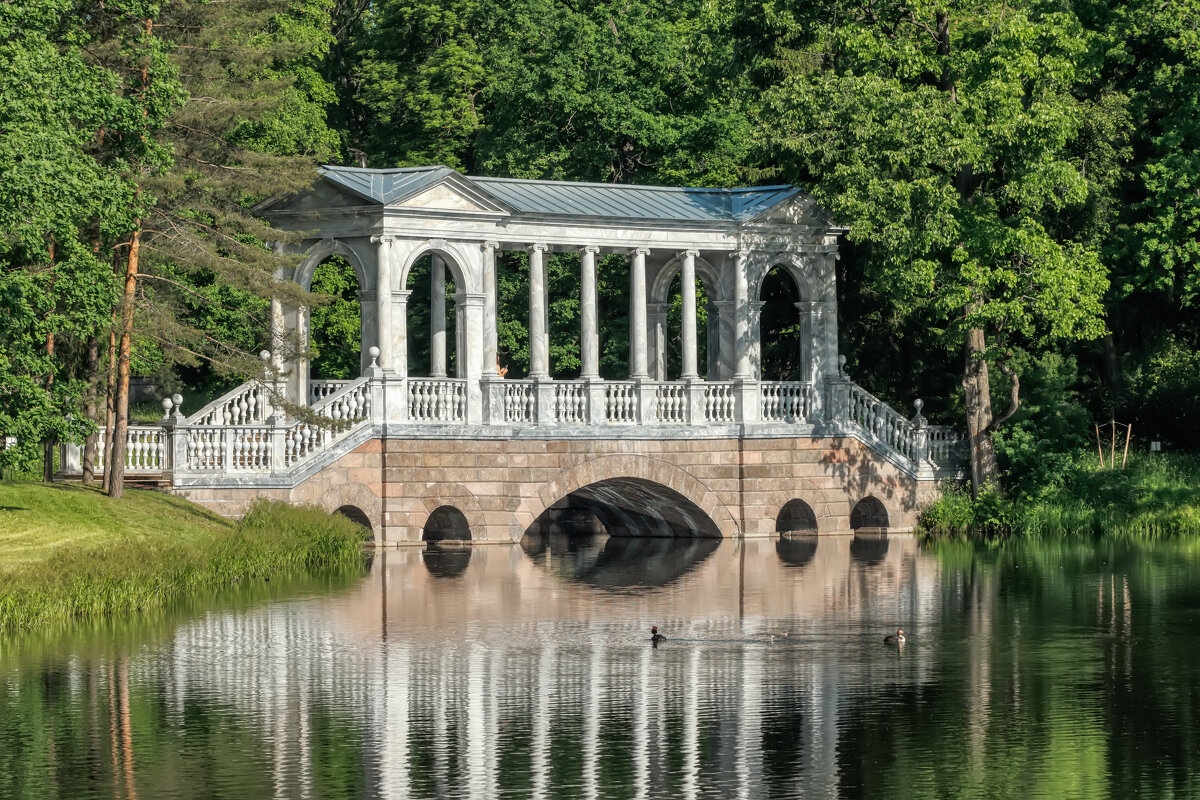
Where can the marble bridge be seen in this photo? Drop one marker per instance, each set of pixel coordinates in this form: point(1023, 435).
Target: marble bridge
point(465, 452)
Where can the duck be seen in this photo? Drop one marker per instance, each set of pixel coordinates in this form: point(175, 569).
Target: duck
point(655, 636)
point(894, 638)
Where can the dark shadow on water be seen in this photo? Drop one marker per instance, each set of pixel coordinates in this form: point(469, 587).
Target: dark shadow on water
point(869, 549)
point(618, 562)
point(446, 562)
point(796, 551)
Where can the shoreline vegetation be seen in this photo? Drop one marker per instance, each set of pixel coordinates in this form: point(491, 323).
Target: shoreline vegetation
point(73, 553)
point(1156, 494)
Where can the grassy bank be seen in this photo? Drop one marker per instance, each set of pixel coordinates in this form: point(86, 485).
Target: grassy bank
point(67, 552)
point(1156, 494)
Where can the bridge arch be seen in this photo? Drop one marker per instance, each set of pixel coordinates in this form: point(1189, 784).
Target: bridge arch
point(356, 496)
point(625, 467)
point(452, 495)
point(869, 512)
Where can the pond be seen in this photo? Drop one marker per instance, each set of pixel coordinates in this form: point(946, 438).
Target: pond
point(1064, 669)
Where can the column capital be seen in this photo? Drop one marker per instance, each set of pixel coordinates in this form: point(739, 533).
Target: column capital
point(401, 294)
point(490, 244)
point(660, 308)
point(641, 251)
point(590, 248)
point(539, 246)
point(690, 253)
point(383, 239)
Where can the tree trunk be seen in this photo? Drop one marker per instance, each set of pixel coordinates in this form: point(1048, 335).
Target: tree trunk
point(110, 408)
point(48, 442)
point(115, 468)
point(977, 387)
point(89, 445)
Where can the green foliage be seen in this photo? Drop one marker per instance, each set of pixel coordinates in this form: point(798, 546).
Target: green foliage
point(336, 326)
point(1166, 383)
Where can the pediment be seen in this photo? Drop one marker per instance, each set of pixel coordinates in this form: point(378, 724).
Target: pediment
point(445, 198)
point(320, 197)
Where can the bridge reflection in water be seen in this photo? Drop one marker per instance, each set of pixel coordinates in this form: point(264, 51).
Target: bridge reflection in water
point(527, 671)
point(518, 671)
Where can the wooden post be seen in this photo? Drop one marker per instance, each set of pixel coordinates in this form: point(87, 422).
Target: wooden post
point(1099, 447)
point(1128, 436)
point(1112, 451)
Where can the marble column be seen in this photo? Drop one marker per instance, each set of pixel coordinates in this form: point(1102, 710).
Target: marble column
point(437, 317)
point(539, 344)
point(741, 297)
point(399, 338)
point(490, 348)
point(589, 334)
point(638, 366)
point(383, 298)
point(657, 346)
point(688, 287)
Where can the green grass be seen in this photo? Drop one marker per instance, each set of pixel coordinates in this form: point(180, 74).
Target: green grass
point(68, 552)
point(1157, 494)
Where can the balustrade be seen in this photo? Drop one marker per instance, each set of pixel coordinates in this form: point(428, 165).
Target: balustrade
point(570, 402)
point(720, 402)
point(440, 400)
point(246, 405)
point(878, 419)
point(787, 401)
point(520, 401)
point(318, 390)
point(671, 401)
point(620, 402)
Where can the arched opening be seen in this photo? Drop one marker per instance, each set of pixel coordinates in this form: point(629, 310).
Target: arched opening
point(622, 533)
point(869, 514)
point(355, 515)
point(667, 327)
point(446, 524)
point(432, 324)
point(796, 516)
point(335, 327)
point(780, 334)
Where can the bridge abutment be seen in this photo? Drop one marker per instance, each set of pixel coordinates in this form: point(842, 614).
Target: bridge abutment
point(502, 485)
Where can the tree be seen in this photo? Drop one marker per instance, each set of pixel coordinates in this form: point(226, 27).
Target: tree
point(951, 140)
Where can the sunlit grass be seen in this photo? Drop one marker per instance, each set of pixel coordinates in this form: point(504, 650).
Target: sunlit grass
point(1156, 494)
point(67, 552)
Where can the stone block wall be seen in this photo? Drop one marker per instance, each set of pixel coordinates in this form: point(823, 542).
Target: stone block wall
point(503, 485)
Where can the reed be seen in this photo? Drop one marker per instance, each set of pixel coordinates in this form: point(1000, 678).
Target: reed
point(1157, 494)
point(69, 553)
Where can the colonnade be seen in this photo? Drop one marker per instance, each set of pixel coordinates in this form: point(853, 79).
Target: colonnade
point(647, 331)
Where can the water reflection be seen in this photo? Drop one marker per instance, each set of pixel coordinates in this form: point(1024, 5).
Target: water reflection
point(446, 561)
point(796, 551)
point(1033, 673)
point(618, 562)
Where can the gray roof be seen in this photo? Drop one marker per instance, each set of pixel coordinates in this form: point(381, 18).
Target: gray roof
point(387, 186)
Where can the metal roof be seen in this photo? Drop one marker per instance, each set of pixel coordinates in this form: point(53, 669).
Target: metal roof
point(567, 198)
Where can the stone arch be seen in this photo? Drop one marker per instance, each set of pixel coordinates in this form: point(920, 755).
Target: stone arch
point(796, 516)
point(446, 523)
point(639, 467)
point(802, 271)
point(705, 271)
point(325, 248)
point(454, 495)
point(355, 515)
point(357, 496)
point(461, 264)
point(869, 512)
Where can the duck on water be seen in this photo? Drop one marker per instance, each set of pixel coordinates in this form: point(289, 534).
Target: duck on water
point(894, 638)
point(655, 636)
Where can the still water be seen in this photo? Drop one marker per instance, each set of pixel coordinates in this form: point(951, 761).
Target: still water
point(1053, 670)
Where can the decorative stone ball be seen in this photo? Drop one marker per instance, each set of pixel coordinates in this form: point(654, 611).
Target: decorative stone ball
point(373, 351)
point(167, 403)
point(177, 399)
point(918, 404)
point(265, 355)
